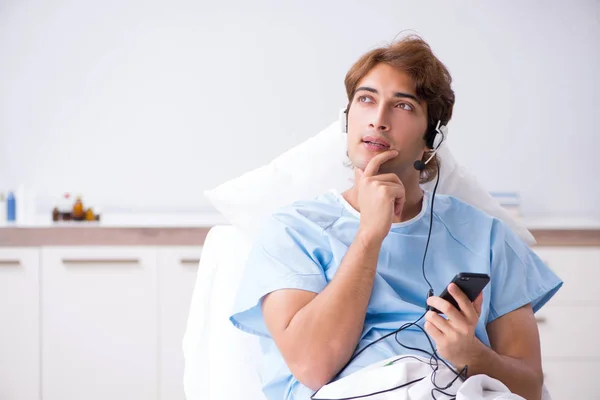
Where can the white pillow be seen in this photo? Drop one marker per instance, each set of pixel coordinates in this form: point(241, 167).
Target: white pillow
point(319, 164)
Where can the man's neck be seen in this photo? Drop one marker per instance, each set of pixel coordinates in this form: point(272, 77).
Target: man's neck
point(412, 205)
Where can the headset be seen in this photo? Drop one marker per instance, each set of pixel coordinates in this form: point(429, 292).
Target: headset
point(433, 139)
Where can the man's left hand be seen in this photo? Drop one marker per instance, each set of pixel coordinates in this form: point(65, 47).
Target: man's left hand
point(455, 337)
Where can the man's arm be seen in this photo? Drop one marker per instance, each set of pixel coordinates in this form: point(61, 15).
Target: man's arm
point(317, 334)
point(514, 358)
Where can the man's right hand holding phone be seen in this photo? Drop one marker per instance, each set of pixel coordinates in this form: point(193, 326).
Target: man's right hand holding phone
point(455, 336)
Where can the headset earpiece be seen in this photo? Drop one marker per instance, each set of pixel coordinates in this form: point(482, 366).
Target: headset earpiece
point(438, 138)
point(439, 135)
point(343, 117)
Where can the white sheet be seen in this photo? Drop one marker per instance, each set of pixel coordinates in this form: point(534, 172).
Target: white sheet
point(380, 377)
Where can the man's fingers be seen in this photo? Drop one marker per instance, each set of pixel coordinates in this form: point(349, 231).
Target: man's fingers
point(440, 323)
point(434, 332)
point(398, 206)
point(464, 304)
point(478, 303)
point(391, 178)
point(394, 190)
point(373, 166)
point(445, 307)
point(463, 301)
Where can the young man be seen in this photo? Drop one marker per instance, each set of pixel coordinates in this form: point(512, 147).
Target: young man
point(329, 276)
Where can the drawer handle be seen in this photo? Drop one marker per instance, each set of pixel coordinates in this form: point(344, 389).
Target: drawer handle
point(10, 262)
point(540, 320)
point(192, 261)
point(100, 261)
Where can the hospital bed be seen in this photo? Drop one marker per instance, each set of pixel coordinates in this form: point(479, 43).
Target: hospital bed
point(221, 361)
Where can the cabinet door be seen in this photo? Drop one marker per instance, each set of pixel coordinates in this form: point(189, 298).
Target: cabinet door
point(99, 323)
point(19, 324)
point(177, 268)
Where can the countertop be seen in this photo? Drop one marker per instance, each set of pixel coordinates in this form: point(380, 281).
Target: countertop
point(183, 229)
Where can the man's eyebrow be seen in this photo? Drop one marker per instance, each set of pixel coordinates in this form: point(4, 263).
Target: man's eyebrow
point(397, 94)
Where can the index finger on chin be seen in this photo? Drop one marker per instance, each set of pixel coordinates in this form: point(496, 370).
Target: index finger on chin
point(375, 163)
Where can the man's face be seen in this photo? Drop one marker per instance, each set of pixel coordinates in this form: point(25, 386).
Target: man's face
point(386, 115)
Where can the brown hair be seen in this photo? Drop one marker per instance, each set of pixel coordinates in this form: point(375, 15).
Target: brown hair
point(432, 80)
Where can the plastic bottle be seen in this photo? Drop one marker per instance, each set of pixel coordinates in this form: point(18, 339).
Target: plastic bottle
point(11, 208)
point(3, 210)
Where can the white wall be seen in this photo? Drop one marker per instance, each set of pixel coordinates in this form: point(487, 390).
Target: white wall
point(144, 104)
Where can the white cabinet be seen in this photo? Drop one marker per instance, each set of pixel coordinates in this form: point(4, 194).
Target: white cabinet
point(19, 324)
point(113, 320)
point(569, 323)
point(177, 268)
point(99, 323)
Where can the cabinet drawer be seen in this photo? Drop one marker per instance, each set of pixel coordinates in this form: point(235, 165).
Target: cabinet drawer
point(99, 323)
point(579, 268)
point(569, 331)
point(572, 379)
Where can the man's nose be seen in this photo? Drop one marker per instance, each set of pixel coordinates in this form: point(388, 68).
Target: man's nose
point(380, 121)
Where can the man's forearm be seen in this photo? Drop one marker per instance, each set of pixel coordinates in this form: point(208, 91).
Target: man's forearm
point(520, 377)
point(326, 330)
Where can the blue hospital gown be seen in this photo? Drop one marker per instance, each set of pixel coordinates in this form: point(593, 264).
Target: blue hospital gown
point(302, 245)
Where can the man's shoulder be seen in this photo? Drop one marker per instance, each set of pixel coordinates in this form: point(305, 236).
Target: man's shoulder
point(319, 212)
point(446, 204)
point(462, 220)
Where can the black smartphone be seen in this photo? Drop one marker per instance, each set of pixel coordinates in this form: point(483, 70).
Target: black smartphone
point(470, 283)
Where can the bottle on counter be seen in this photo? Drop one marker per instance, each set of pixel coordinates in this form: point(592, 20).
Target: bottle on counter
point(11, 208)
point(78, 211)
point(3, 209)
point(89, 214)
point(55, 214)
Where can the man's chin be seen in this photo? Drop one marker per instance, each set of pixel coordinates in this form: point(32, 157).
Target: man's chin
point(385, 168)
point(362, 162)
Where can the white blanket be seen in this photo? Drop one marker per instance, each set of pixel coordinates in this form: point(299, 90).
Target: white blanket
point(393, 381)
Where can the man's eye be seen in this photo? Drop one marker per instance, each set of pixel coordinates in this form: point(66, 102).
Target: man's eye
point(405, 106)
point(364, 99)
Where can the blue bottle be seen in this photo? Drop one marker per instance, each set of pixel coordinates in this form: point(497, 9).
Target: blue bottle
point(11, 208)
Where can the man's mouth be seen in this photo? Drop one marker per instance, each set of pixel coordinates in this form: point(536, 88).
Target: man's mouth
point(376, 142)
